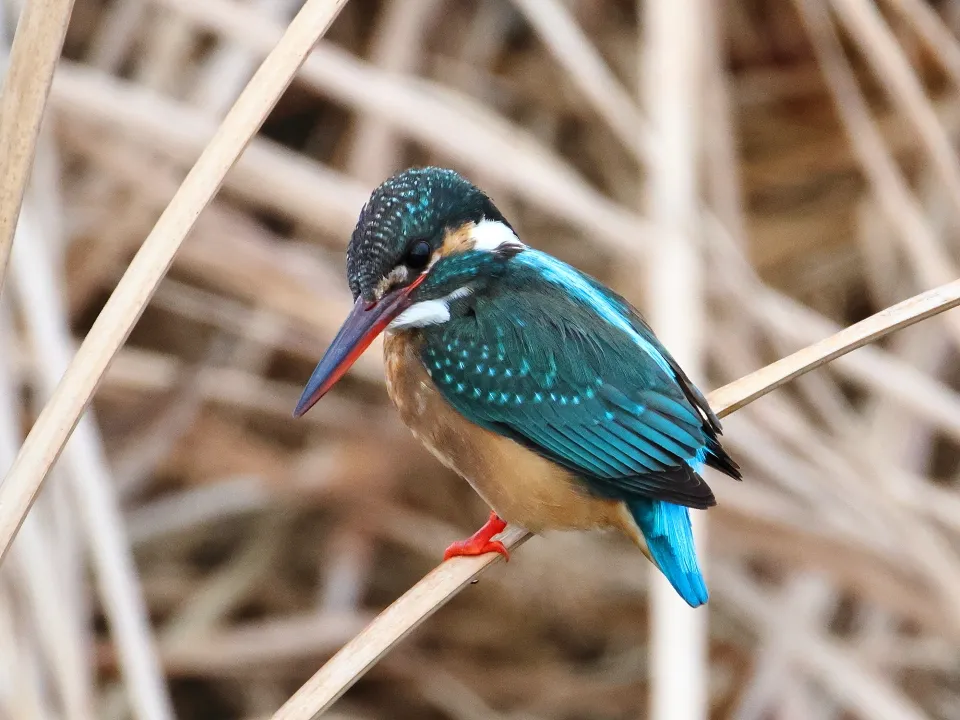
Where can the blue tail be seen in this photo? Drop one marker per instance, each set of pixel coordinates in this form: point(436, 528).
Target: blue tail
point(669, 535)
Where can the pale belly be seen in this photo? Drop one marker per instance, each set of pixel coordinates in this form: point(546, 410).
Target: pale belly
point(519, 485)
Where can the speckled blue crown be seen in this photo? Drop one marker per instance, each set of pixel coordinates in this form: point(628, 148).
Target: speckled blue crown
point(415, 204)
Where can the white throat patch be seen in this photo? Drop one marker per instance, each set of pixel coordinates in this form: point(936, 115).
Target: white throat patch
point(491, 234)
point(428, 312)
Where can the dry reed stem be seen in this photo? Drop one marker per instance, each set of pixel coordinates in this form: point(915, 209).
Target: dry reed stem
point(266, 175)
point(933, 264)
point(449, 578)
point(854, 683)
point(865, 24)
point(111, 39)
point(93, 489)
point(904, 441)
point(457, 127)
point(671, 67)
point(23, 678)
point(375, 150)
point(58, 418)
point(806, 598)
point(33, 59)
point(930, 26)
point(57, 628)
point(554, 22)
point(891, 509)
point(723, 187)
point(229, 69)
point(874, 369)
point(56, 621)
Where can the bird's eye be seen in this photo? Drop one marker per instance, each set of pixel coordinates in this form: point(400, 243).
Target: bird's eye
point(418, 255)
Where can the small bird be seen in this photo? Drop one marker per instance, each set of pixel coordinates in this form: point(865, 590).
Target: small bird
point(543, 388)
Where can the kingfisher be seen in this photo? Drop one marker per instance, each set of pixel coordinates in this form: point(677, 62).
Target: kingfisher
point(543, 388)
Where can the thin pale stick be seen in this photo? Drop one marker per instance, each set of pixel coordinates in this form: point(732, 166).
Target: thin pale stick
point(671, 67)
point(33, 58)
point(449, 578)
point(54, 425)
point(744, 391)
point(38, 283)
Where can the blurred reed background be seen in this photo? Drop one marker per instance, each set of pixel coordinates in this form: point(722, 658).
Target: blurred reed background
point(816, 141)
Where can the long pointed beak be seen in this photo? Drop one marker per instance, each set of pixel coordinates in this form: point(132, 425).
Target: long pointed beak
point(360, 328)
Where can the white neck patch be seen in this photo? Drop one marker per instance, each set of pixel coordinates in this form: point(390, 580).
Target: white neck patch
point(491, 234)
point(428, 312)
point(487, 235)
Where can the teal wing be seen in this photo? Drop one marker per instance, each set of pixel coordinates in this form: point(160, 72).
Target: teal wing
point(579, 391)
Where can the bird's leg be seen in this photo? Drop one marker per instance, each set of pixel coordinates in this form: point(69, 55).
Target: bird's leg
point(480, 543)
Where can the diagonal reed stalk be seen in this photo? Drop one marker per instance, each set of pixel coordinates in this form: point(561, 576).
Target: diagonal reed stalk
point(58, 418)
point(33, 58)
point(449, 578)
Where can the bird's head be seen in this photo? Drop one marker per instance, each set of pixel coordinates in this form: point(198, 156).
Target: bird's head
point(426, 241)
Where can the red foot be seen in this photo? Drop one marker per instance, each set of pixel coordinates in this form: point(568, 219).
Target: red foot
point(480, 543)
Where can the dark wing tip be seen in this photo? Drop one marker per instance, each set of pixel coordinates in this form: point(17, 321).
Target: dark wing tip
point(678, 485)
point(697, 495)
point(718, 459)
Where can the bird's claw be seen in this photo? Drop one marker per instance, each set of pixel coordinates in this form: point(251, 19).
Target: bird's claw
point(468, 548)
point(481, 542)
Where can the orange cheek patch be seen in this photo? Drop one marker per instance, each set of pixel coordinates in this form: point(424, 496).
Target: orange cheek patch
point(457, 241)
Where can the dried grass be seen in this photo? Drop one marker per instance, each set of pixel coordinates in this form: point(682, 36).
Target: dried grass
point(235, 550)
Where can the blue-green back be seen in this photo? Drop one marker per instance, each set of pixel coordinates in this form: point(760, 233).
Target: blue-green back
point(559, 363)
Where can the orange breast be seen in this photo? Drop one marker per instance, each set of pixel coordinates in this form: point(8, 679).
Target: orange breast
point(521, 487)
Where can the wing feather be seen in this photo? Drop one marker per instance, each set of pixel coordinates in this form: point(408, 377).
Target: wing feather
point(581, 391)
